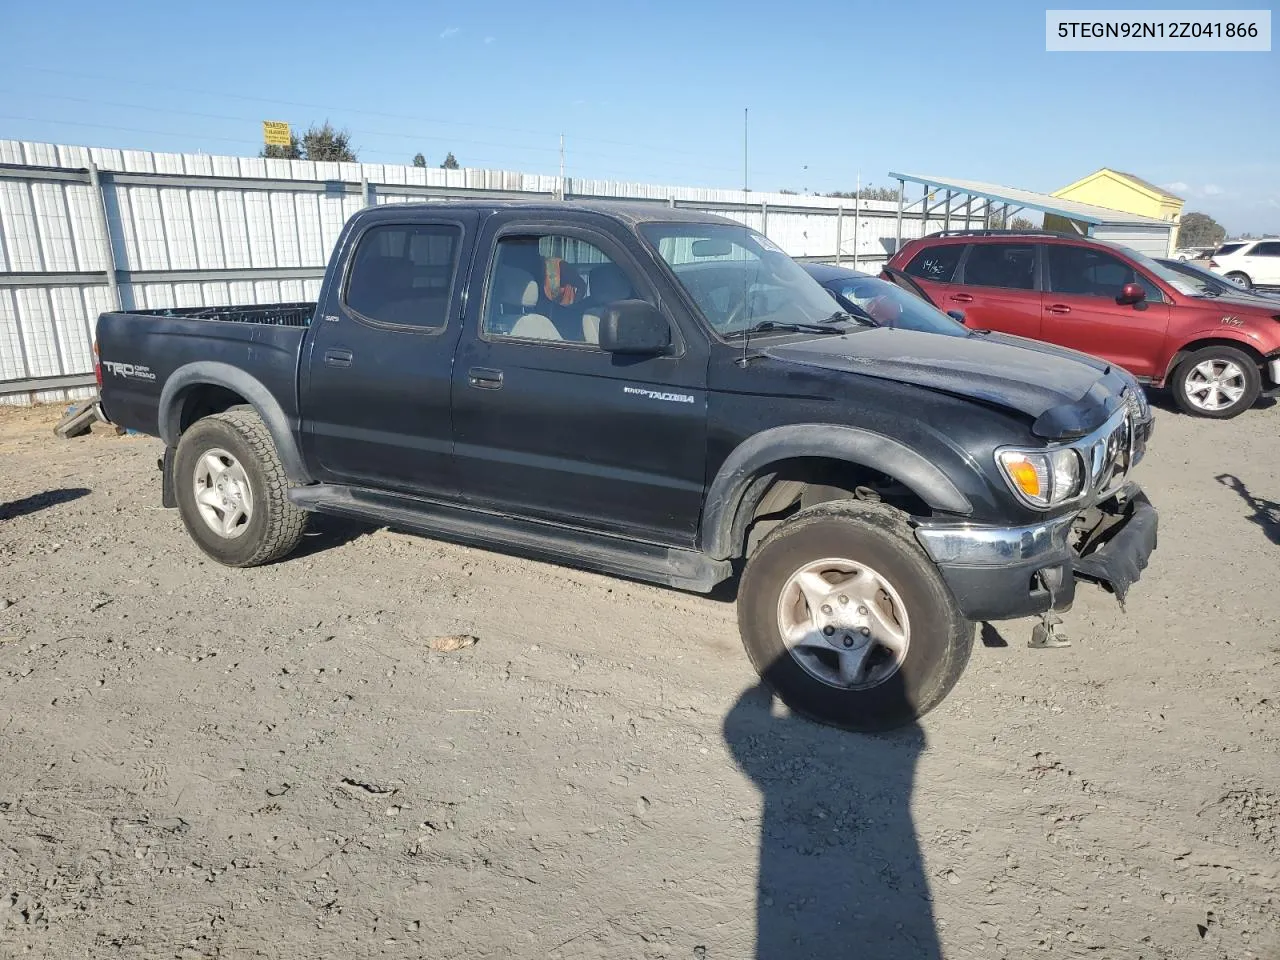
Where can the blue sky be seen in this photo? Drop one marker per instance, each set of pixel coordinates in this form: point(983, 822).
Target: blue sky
point(656, 91)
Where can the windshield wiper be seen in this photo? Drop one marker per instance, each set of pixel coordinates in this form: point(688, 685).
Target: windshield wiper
point(850, 316)
point(788, 325)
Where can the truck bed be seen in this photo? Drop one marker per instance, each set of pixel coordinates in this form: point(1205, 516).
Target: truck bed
point(276, 314)
point(263, 340)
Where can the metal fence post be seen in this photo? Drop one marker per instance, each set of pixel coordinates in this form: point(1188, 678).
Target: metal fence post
point(902, 196)
point(839, 231)
point(764, 218)
point(366, 192)
point(109, 251)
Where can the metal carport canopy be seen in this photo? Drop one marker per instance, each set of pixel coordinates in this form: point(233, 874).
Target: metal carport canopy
point(1085, 216)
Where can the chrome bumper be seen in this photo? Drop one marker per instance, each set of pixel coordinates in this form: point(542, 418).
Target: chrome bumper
point(995, 546)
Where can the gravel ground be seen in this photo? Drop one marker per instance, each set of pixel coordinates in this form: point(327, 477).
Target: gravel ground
point(204, 762)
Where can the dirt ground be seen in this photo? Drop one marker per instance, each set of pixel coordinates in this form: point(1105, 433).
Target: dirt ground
point(204, 762)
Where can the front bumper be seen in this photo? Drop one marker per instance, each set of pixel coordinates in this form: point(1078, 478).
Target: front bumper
point(1001, 573)
point(1273, 371)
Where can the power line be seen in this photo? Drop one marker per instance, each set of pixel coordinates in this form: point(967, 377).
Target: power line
point(411, 137)
point(150, 84)
point(394, 158)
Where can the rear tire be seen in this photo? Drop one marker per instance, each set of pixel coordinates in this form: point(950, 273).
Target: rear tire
point(1242, 279)
point(232, 491)
point(884, 593)
point(1217, 382)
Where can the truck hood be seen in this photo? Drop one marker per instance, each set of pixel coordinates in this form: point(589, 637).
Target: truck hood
point(1066, 394)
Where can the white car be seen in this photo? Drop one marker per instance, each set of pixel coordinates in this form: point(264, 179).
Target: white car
point(1250, 263)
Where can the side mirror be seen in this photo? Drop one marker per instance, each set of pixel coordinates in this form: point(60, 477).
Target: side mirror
point(956, 315)
point(1131, 293)
point(634, 327)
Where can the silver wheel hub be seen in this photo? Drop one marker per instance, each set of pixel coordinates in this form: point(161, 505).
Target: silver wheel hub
point(844, 623)
point(1215, 384)
point(223, 495)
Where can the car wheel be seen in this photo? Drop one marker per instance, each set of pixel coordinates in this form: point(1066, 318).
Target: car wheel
point(232, 491)
point(1241, 279)
point(1217, 382)
point(848, 620)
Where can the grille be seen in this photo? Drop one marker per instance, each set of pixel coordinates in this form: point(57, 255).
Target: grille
point(1110, 456)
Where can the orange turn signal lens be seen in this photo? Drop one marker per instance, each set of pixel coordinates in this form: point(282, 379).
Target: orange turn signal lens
point(1024, 475)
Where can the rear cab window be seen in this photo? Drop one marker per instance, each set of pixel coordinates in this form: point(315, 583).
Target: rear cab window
point(937, 263)
point(402, 274)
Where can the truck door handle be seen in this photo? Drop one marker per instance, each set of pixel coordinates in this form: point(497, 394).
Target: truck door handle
point(338, 358)
point(1057, 308)
point(962, 298)
point(484, 378)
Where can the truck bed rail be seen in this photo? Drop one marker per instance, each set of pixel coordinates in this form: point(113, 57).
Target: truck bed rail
point(275, 314)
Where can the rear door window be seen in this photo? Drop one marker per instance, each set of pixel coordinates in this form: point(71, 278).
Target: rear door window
point(1086, 272)
point(1008, 265)
point(1269, 249)
point(936, 263)
point(402, 274)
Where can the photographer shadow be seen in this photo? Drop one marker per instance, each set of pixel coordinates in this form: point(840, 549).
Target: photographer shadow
point(840, 868)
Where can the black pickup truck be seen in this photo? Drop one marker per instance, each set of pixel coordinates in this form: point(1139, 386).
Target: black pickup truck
point(664, 396)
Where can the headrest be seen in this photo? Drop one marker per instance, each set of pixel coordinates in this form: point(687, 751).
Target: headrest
point(609, 283)
point(514, 286)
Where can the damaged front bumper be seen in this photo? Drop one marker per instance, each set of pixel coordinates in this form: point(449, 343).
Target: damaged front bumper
point(1001, 573)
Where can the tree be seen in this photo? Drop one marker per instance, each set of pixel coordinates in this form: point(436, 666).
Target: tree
point(1200, 230)
point(419, 160)
point(326, 143)
point(277, 151)
point(995, 221)
point(450, 162)
point(867, 193)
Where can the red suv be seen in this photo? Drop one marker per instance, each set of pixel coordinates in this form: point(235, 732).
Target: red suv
point(1217, 352)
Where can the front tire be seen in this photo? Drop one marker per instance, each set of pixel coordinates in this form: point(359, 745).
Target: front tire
point(232, 491)
point(1217, 382)
point(1240, 278)
point(847, 619)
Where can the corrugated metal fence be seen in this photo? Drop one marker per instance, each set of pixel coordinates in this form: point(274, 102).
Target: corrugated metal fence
point(86, 229)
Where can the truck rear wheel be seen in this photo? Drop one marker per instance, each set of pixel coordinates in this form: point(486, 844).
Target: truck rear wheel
point(848, 620)
point(232, 491)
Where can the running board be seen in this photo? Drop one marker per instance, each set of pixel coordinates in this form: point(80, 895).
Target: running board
point(672, 566)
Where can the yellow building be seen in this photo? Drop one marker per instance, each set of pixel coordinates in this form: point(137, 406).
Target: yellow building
point(1117, 190)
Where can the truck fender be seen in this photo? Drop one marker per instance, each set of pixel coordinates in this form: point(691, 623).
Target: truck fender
point(752, 458)
point(204, 372)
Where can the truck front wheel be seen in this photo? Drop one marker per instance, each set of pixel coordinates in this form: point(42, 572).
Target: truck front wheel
point(847, 619)
point(232, 491)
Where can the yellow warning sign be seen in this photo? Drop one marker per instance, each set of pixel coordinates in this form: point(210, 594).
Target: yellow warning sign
point(275, 133)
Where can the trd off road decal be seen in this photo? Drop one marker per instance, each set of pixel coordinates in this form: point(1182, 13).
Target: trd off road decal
point(135, 371)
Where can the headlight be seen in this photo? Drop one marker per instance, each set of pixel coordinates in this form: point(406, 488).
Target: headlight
point(1043, 478)
point(1138, 403)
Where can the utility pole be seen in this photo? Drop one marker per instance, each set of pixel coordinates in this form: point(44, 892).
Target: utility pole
point(562, 166)
point(857, 215)
point(745, 117)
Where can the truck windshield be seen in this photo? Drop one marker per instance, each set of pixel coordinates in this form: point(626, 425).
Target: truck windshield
point(739, 279)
